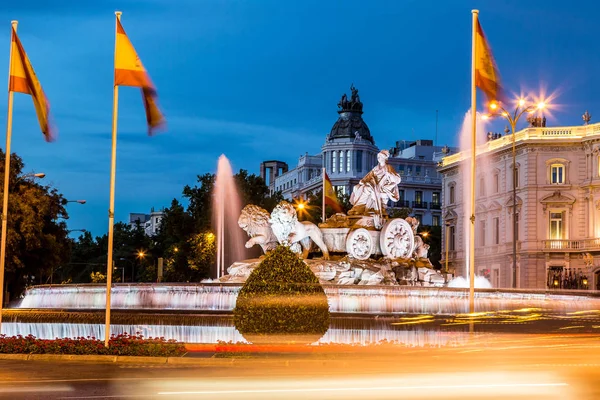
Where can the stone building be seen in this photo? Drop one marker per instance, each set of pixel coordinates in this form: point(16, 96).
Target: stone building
point(557, 176)
point(349, 153)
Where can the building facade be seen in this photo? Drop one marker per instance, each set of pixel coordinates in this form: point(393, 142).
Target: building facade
point(349, 153)
point(149, 222)
point(557, 216)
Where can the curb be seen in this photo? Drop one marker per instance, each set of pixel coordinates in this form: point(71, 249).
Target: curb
point(181, 361)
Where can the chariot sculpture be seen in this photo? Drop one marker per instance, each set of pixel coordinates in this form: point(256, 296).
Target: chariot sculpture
point(365, 232)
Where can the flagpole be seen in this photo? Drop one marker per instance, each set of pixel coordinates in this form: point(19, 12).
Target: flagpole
point(6, 177)
point(473, 150)
point(323, 205)
point(111, 207)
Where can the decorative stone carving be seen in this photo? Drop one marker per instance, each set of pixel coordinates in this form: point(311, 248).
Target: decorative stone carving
point(379, 186)
point(289, 231)
point(359, 244)
point(421, 248)
point(397, 239)
point(254, 221)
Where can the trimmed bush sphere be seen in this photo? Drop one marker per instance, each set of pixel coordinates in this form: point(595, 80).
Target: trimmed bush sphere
point(281, 296)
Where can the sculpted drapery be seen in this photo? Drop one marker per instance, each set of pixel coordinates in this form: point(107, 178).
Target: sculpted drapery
point(377, 187)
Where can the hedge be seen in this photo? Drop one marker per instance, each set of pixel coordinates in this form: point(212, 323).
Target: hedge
point(281, 296)
point(118, 345)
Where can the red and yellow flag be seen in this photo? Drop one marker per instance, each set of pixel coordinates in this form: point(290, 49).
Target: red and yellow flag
point(330, 194)
point(487, 77)
point(22, 79)
point(129, 71)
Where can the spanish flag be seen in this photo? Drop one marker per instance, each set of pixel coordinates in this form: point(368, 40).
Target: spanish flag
point(330, 195)
point(129, 71)
point(22, 79)
point(487, 77)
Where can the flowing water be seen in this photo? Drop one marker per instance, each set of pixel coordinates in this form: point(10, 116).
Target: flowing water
point(226, 211)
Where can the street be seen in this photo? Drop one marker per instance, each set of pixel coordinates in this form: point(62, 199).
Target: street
point(489, 366)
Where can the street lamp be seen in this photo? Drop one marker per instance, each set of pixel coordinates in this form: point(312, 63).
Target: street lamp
point(520, 109)
point(75, 201)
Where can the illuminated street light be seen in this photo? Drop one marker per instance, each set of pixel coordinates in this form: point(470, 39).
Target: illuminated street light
point(512, 119)
point(141, 254)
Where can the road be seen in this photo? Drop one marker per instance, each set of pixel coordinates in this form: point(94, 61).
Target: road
point(488, 366)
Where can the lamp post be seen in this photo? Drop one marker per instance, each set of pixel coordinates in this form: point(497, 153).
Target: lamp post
point(512, 119)
point(76, 201)
point(140, 255)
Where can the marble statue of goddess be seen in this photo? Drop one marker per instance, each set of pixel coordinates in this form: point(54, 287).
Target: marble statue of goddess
point(376, 188)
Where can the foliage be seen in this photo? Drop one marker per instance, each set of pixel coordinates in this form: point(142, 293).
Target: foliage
point(119, 345)
point(282, 296)
point(37, 237)
point(89, 255)
point(97, 277)
point(185, 240)
point(401, 212)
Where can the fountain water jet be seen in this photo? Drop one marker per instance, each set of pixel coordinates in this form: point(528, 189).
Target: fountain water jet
point(226, 209)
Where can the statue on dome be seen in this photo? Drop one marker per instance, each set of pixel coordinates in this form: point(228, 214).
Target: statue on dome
point(373, 191)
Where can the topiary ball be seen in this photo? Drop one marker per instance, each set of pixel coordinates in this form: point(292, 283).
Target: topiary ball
point(282, 300)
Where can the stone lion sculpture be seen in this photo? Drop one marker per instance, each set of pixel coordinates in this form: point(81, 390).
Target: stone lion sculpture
point(255, 221)
point(289, 231)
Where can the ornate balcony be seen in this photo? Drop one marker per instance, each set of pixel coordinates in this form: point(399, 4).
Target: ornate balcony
point(571, 245)
point(419, 204)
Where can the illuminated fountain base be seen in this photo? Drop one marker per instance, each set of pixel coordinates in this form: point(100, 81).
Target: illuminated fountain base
point(342, 299)
point(222, 330)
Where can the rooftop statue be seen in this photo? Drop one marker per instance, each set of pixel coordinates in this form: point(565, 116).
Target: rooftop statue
point(379, 186)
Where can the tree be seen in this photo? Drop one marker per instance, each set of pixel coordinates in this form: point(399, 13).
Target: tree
point(186, 239)
point(37, 242)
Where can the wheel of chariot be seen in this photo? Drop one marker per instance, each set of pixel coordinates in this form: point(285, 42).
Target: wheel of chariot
point(397, 239)
point(359, 244)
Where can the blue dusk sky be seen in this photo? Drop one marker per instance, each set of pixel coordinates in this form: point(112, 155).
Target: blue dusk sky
point(260, 79)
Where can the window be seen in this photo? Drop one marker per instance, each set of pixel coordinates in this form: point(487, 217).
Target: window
point(418, 170)
point(496, 182)
point(419, 218)
point(556, 225)
point(435, 221)
point(419, 196)
point(347, 160)
point(557, 174)
point(496, 227)
point(435, 198)
point(341, 161)
point(401, 169)
point(451, 195)
point(401, 197)
point(482, 186)
point(333, 160)
point(482, 226)
point(516, 177)
point(358, 163)
point(451, 237)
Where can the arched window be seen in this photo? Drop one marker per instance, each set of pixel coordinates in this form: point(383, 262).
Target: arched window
point(348, 158)
point(333, 160)
point(341, 161)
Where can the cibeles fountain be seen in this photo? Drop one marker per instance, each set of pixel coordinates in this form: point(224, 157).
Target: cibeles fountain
point(364, 247)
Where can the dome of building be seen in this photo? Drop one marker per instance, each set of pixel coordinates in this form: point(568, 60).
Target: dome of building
point(350, 123)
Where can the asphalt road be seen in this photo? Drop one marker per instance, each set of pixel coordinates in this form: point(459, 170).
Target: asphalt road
point(489, 366)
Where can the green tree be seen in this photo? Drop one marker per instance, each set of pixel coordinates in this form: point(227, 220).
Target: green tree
point(37, 240)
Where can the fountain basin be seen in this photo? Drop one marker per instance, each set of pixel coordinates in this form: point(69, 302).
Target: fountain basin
point(343, 299)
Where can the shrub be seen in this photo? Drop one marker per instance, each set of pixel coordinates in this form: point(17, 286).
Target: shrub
point(282, 296)
point(119, 345)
